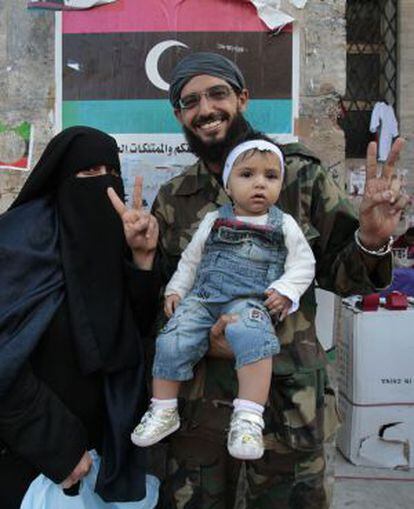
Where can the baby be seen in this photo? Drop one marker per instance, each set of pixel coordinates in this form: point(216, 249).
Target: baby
point(247, 259)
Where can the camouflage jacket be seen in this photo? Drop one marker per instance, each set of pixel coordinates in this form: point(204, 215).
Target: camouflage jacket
point(300, 387)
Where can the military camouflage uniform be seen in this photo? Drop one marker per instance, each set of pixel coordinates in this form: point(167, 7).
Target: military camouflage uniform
point(301, 411)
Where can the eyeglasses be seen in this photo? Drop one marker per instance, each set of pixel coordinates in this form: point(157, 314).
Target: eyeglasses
point(215, 94)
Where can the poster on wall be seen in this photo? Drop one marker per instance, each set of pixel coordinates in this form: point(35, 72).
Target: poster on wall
point(116, 61)
point(16, 143)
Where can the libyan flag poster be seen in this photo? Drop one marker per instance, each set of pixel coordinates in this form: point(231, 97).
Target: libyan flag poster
point(114, 64)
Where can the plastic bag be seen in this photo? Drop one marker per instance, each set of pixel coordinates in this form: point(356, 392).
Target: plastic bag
point(45, 494)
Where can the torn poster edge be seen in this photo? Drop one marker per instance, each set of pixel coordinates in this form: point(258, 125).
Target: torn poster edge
point(299, 4)
point(67, 5)
point(273, 17)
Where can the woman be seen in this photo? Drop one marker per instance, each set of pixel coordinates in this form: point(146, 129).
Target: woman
point(76, 294)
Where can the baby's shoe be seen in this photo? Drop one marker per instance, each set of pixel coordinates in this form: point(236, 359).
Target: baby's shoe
point(156, 424)
point(245, 438)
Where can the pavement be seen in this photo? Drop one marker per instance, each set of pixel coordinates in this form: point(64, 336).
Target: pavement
point(371, 488)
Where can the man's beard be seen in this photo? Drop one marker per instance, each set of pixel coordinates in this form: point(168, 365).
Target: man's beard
point(215, 151)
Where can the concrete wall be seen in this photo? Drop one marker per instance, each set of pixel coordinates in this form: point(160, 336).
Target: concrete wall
point(322, 80)
point(27, 78)
point(26, 82)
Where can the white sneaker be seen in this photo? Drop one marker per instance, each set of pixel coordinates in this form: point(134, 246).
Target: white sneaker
point(245, 438)
point(156, 424)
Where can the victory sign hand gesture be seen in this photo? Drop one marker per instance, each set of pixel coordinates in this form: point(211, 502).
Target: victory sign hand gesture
point(382, 202)
point(140, 227)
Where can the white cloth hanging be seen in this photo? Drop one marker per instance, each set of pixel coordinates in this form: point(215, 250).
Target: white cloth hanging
point(384, 122)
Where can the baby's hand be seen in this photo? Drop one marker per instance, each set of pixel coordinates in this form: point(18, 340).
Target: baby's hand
point(277, 304)
point(171, 303)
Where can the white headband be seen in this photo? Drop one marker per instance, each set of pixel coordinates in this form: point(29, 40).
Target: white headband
point(261, 145)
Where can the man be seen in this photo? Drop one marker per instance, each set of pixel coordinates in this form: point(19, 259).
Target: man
point(209, 96)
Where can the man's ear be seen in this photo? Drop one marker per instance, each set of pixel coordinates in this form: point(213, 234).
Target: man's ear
point(178, 115)
point(243, 99)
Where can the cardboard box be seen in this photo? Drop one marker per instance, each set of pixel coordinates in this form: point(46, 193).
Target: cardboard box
point(377, 436)
point(325, 317)
point(376, 356)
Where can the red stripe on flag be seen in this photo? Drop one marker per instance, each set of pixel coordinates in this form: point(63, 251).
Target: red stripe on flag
point(168, 16)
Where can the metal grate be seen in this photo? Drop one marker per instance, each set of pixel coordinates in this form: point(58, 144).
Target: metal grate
point(371, 68)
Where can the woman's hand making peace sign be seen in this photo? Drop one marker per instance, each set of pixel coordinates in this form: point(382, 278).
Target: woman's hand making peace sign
point(140, 227)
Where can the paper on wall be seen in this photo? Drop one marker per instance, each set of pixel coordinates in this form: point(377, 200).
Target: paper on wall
point(16, 143)
point(156, 157)
point(356, 181)
point(269, 12)
point(299, 4)
point(62, 5)
point(86, 4)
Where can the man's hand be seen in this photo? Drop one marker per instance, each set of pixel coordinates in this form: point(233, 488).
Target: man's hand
point(81, 469)
point(382, 202)
point(277, 304)
point(140, 227)
point(170, 304)
point(219, 347)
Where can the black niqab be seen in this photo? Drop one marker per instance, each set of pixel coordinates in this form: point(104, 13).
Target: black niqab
point(74, 149)
point(91, 251)
point(91, 244)
point(93, 255)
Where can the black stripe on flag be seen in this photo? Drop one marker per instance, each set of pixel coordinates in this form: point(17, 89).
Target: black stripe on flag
point(112, 65)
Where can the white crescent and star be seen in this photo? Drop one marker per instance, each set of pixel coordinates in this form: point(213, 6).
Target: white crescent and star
point(151, 62)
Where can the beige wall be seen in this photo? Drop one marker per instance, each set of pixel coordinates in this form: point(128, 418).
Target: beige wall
point(405, 100)
point(27, 86)
point(27, 81)
point(322, 81)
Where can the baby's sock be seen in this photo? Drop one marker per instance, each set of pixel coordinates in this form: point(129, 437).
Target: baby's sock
point(164, 403)
point(246, 404)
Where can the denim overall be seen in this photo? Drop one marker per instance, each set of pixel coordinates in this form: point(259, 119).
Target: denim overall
point(239, 262)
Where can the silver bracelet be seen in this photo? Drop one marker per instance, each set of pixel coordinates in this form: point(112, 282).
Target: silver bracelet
point(382, 251)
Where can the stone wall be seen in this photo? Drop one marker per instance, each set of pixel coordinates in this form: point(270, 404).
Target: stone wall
point(28, 86)
point(26, 82)
point(322, 80)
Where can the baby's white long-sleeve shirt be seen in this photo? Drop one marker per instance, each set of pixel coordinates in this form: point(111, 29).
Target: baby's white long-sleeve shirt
point(299, 265)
